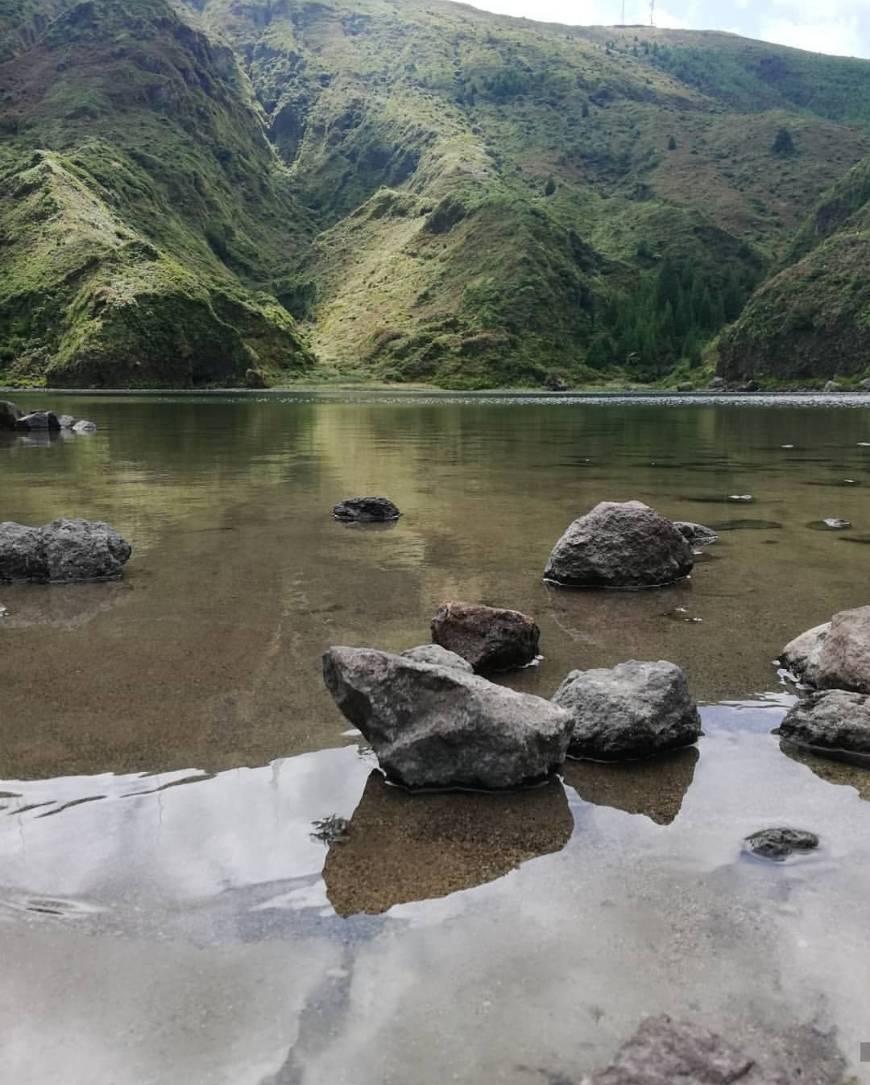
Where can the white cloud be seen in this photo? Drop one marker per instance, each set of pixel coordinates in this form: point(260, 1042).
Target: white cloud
point(836, 38)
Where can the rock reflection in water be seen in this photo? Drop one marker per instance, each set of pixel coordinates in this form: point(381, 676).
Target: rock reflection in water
point(402, 847)
point(60, 606)
point(655, 786)
point(843, 772)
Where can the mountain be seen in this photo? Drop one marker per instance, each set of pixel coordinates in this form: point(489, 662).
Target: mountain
point(416, 191)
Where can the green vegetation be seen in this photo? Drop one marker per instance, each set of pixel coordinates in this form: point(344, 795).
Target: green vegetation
point(421, 191)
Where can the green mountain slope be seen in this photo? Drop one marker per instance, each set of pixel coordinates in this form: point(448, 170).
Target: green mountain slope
point(812, 318)
point(143, 213)
point(432, 192)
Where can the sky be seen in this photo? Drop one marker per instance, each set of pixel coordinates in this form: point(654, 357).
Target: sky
point(841, 27)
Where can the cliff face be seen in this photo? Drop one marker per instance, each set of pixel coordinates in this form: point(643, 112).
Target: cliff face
point(414, 191)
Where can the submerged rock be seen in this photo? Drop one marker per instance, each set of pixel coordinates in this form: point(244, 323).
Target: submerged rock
point(440, 657)
point(490, 639)
point(62, 551)
point(800, 657)
point(9, 415)
point(834, 722)
point(620, 545)
point(779, 844)
point(84, 426)
point(696, 534)
point(38, 420)
point(366, 510)
point(437, 727)
point(401, 847)
point(665, 1052)
point(631, 711)
point(66, 421)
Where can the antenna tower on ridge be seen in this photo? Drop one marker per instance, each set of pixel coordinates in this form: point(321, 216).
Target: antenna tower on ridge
point(623, 12)
point(652, 12)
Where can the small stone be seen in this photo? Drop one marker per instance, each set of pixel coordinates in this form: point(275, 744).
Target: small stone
point(741, 499)
point(491, 639)
point(366, 510)
point(779, 844)
point(696, 534)
point(66, 421)
point(85, 427)
point(835, 523)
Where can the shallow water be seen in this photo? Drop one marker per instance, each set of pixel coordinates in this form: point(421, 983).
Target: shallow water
point(166, 915)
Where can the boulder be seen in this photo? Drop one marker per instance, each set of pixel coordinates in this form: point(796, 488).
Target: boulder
point(620, 545)
point(84, 426)
point(696, 534)
point(66, 421)
point(800, 657)
point(664, 1052)
point(490, 639)
point(830, 722)
point(631, 711)
point(21, 556)
point(434, 653)
point(62, 551)
point(831, 386)
point(9, 415)
point(38, 420)
point(844, 658)
point(864, 385)
point(779, 844)
point(366, 510)
point(438, 727)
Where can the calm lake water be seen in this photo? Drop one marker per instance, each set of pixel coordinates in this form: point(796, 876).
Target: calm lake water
point(166, 914)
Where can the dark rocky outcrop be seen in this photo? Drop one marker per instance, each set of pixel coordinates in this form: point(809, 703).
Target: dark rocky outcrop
point(665, 1052)
point(834, 722)
point(62, 551)
point(490, 639)
point(631, 711)
point(39, 420)
point(620, 545)
point(779, 844)
point(366, 510)
point(696, 534)
point(438, 727)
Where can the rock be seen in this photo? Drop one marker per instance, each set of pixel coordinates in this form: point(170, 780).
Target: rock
point(9, 415)
point(21, 555)
point(84, 427)
point(749, 386)
point(437, 727)
point(686, 386)
point(836, 523)
point(631, 711)
point(440, 657)
point(832, 722)
point(62, 551)
point(620, 545)
point(489, 638)
point(403, 846)
point(800, 657)
point(717, 384)
point(779, 844)
point(255, 379)
point(366, 510)
point(38, 420)
point(696, 534)
point(832, 386)
point(844, 659)
point(741, 499)
point(864, 385)
point(66, 421)
point(555, 383)
point(665, 1052)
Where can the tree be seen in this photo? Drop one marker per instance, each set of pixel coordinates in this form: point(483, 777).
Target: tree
point(585, 109)
point(783, 145)
point(672, 143)
point(550, 186)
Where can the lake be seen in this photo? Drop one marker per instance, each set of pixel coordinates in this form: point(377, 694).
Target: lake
point(167, 911)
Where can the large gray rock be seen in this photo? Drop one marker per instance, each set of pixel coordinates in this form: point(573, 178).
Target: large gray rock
point(800, 657)
point(62, 551)
point(39, 420)
point(434, 653)
point(844, 658)
point(620, 545)
point(9, 415)
point(667, 1052)
point(438, 727)
point(490, 639)
point(631, 711)
point(832, 721)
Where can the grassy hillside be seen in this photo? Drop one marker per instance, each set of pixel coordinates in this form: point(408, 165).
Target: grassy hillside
point(811, 319)
point(432, 192)
point(143, 213)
